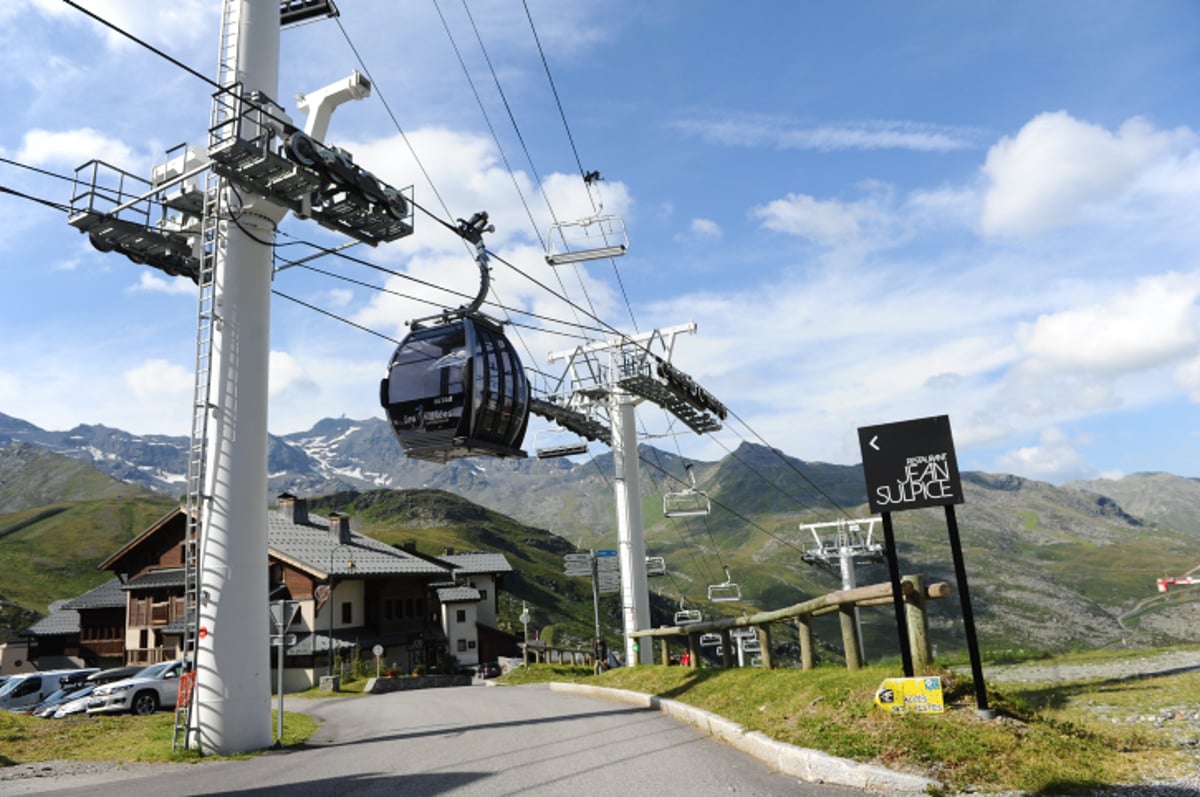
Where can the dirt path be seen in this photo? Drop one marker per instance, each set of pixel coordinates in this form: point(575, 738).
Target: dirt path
point(1133, 667)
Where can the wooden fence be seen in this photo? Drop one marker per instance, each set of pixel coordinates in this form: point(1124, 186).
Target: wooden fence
point(915, 592)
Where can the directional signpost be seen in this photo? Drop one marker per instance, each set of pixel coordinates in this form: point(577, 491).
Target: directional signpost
point(605, 570)
point(283, 614)
point(911, 465)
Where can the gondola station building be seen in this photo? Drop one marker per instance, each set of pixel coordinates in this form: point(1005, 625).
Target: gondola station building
point(354, 593)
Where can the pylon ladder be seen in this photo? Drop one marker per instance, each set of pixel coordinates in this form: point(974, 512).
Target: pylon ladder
point(211, 241)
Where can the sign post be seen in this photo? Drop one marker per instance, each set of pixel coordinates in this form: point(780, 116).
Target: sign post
point(911, 465)
point(283, 614)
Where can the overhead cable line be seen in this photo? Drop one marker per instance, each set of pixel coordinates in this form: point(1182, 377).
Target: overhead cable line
point(47, 202)
point(334, 316)
point(528, 157)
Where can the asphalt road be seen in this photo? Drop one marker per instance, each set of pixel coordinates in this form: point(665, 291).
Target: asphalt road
point(480, 740)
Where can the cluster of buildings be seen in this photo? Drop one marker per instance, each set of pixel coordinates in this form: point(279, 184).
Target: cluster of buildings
point(354, 593)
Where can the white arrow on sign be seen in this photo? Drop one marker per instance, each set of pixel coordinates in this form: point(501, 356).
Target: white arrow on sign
point(873, 441)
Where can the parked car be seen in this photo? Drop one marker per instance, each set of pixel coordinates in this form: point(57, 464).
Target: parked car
point(153, 688)
point(114, 674)
point(489, 669)
point(25, 691)
point(77, 705)
point(51, 704)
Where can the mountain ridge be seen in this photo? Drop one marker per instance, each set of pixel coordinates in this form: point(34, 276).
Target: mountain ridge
point(1055, 567)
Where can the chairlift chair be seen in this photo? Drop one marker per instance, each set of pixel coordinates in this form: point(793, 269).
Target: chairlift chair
point(556, 441)
point(689, 502)
point(593, 238)
point(655, 566)
point(726, 591)
point(710, 640)
point(687, 616)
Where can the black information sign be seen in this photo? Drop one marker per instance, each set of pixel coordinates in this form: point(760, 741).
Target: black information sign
point(910, 464)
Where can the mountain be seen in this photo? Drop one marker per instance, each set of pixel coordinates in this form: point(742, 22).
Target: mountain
point(59, 518)
point(1049, 567)
point(1158, 498)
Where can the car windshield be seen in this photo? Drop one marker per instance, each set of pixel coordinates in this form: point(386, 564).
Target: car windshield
point(10, 685)
point(153, 671)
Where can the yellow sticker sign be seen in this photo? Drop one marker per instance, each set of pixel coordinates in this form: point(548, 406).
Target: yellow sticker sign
point(915, 695)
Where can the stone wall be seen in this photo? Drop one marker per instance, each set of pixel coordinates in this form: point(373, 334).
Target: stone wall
point(377, 686)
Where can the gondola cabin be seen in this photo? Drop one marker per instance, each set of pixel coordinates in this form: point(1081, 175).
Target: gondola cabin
point(457, 389)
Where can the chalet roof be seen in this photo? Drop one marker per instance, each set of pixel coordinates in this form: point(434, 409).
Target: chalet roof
point(109, 595)
point(153, 529)
point(477, 563)
point(313, 547)
point(458, 595)
point(156, 579)
point(59, 621)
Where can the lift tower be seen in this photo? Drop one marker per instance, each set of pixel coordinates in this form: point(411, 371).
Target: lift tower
point(596, 398)
point(219, 232)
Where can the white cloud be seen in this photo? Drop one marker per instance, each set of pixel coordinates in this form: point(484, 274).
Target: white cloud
point(289, 376)
point(824, 221)
point(1187, 376)
point(1155, 323)
point(69, 148)
point(185, 20)
point(1054, 459)
point(705, 229)
point(754, 130)
point(159, 380)
point(1057, 168)
point(151, 281)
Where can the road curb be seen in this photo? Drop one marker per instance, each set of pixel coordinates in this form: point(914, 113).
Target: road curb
point(799, 762)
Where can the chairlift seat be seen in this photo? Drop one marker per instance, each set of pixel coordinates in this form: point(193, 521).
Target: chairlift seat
point(656, 566)
point(710, 640)
point(724, 593)
point(686, 503)
point(688, 616)
point(593, 238)
point(558, 442)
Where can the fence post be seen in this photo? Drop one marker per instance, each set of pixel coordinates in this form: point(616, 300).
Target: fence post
point(726, 649)
point(850, 644)
point(804, 633)
point(664, 649)
point(693, 649)
point(918, 622)
point(764, 642)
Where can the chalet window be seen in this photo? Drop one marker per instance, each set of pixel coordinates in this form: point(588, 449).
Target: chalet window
point(347, 612)
point(387, 609)
point(461, 615)
point(483, 594)
point(462, 645)
point(471, 644)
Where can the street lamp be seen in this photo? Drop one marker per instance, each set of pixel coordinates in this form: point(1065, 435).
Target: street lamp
point(525, 624)
point(349, 566)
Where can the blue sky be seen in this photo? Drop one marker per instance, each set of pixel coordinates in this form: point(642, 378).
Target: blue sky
point(873, 211)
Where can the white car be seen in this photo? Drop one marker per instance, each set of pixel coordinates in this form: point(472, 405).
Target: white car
point(153, 688)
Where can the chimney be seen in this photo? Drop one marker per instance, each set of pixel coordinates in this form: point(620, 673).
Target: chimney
point(292, 509)
point(448, 551)
point(339, 527)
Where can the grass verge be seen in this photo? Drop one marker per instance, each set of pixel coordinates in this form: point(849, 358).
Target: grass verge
point(124, 738)
point(1035, 745)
